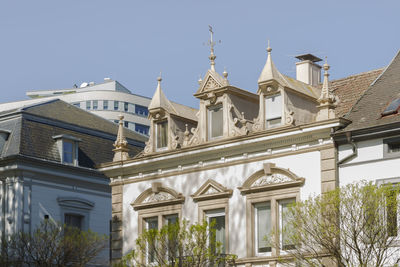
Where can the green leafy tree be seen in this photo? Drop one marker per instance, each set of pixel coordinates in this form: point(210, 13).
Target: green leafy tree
point(178, 245)
point(355, 225)
point(51, 244)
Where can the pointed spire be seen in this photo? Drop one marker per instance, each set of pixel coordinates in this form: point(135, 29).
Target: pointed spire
point(159, 99)
point(327, 98)
point(269, 71)
point(121, 145)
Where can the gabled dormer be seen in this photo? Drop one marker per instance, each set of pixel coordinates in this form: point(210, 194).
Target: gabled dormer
point(169, 123)
point(284, 101)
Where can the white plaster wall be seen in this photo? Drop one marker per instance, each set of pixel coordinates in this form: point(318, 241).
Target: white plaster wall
point(369, 165)
point(305, 165)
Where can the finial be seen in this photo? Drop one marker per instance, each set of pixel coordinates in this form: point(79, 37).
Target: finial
point(225, 73)
point(269, 49)
point(159, 79)
point(199, 80)
point(120, 117)
point(326, 65)
point(121, 145)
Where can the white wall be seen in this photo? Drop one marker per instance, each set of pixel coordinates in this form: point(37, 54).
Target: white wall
point(303, 165)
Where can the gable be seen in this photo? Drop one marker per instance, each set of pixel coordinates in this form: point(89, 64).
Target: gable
point(211, 190)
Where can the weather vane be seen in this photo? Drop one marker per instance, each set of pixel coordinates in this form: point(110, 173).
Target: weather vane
point(211, 43)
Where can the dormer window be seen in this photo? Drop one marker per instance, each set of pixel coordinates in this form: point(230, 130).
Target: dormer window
point(161, 135)
point(68, 148)
point(215, 121)
point(273, 111)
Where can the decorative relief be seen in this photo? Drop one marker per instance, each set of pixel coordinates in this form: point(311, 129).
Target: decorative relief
point(195, 139)
point(274, 178)
point(149, 146)
point(289, 119)
point(156, 197)
point(258, 124)
point(210, 190)
point(237, 125)
point(174, 140)
point(211, 84)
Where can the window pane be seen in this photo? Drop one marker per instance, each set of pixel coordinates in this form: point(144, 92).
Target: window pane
point(143, 129)
point(141, 110)
point(116, 105)
point(284, 227)
point(73, 220)
point(95, 103)
point(162, 134)
point(126, 106)
point(215, 117)
point(88, 104)
point(391, 213)
point(151, 223)
point(263, 221)
point(171, 219)
point(273, 107)
point(105, 104)
point(68, 149)
point(218, 223)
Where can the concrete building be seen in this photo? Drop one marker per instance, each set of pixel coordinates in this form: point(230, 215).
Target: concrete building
point(239, 159)
point(48, 154)
point(107, 99)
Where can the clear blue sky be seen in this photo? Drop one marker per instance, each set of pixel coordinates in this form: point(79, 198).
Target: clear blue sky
point(55, 44)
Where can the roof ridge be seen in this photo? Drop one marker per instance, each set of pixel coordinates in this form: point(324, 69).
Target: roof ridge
point(357, 74)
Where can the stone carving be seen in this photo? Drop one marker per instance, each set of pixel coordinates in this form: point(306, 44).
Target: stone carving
point(157, 197)
point(211, 84)
point(274, 178)
point(186, 137)
point(258, 124)
point(195, 139)
point(174, 141)
point(237, 125)
point(289, 119)
point(210, 190)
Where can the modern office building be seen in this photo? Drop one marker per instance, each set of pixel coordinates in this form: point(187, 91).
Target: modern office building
point(108, 99)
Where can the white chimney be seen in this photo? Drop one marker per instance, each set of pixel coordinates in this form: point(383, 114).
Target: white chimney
point(307, 71)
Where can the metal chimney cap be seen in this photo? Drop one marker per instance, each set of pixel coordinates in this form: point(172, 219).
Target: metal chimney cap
point(308, 57)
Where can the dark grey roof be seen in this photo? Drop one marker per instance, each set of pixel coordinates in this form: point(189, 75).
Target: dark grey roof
point(32, 130)
point(367, 111)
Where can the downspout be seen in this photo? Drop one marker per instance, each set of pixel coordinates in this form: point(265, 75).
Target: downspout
point(353, 147)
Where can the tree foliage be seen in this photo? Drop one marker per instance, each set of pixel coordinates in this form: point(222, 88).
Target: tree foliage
point(354, 225)
point(178, 245)
point(51, 244)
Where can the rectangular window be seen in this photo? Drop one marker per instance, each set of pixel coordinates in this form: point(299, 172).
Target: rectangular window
point(151, 223)
point(273, 111)
point(116, 105)
point(143, 129)
point(68, 152)
point(105, 104)
point(95, 104)
point(126, 124)
point(216, 220)
point(73, 220)
point(391, 147)
point(77, 105)
point(162, 134)
point(141, 110)
point(391, 213)
point(284, 228)
point(215, 122)
point(263, 227)
point(126, 106)
point(88, 105)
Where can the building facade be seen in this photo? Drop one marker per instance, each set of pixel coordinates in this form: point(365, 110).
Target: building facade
point(49, 151)
point(107, 99)
point(240, 159)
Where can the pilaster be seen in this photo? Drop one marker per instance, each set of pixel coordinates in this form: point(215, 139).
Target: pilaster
point(116, 223)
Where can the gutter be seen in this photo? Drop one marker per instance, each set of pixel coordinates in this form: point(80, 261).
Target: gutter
point(354, 148)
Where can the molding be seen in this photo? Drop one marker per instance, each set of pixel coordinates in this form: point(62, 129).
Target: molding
point(270, 178)
point(242, 160)
point(157, 196)
point(75, 202)
point(211, 190)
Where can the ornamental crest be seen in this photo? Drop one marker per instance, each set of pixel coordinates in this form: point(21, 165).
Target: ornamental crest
point(274, 178)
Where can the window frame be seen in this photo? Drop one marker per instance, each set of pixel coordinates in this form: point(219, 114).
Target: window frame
point(273, 196)
point(210, 111)
point(386, 152)
point(76, 206)
point(157, 135)
point(116, 105)
point(60, 140)
point(105, 104)
point(267, 119)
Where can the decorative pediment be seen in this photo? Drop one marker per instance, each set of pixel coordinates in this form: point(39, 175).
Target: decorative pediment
point(270, 178)
point(156, 196)
point(212, 81)
point(211, 190)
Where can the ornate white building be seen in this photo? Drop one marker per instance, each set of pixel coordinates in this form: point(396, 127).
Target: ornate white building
point(239, 159)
